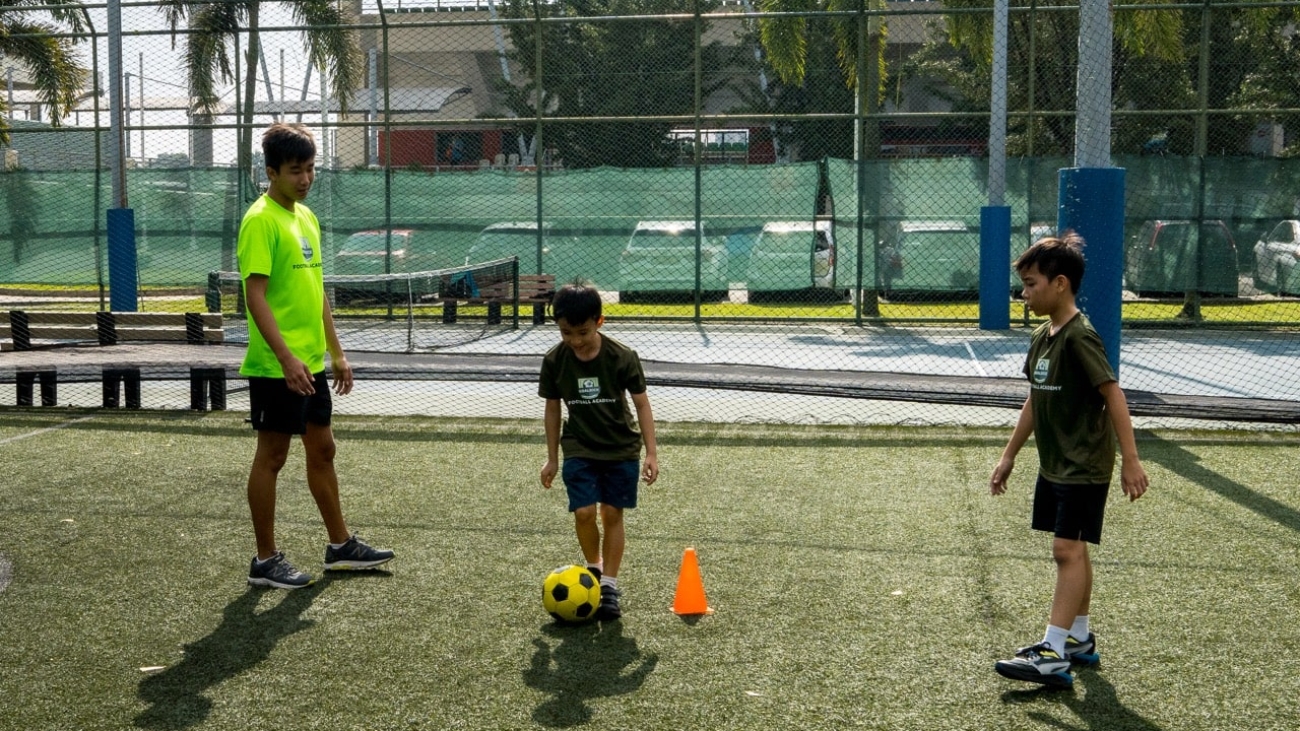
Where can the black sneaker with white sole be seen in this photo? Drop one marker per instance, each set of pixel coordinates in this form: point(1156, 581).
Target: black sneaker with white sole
point(278, 573)
point(1038, 664)
point(355, 555)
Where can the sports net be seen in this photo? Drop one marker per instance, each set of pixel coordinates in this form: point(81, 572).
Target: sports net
point(735, 215)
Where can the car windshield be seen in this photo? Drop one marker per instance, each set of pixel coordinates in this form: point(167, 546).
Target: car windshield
point(365, 243)
point(791, 242)
point(654, 238)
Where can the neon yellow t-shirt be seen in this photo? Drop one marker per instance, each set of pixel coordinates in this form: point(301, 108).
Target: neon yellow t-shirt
point(285, 246)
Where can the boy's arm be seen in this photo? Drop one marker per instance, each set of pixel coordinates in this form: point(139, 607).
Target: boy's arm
point(552, 422)
point(339, 365)
point(646, 420)
point(1024, 428)
point(1132, 478)
point(296, 373)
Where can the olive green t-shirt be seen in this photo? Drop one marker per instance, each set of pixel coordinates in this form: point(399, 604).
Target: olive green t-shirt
point(285, 247)
point(599, 423)
point(1076, 441)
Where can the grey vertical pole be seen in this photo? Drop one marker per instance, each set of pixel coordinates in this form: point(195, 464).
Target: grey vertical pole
point(372, 134)
point(126, 111)
point(121, 220)
point(995, 218)
point(1091, 194)
point(142, 121)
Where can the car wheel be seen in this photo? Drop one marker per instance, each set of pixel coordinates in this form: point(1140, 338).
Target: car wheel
point(1283, 278)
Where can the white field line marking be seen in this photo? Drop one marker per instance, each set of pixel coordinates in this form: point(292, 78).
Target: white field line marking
point(975, 358)
point(46, 429)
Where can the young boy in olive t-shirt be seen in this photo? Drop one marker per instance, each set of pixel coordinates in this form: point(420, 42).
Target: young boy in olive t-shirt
point(590, 373)
point(1076, 412)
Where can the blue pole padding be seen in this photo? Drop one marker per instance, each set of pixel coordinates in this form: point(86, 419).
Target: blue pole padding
point(995, 267)
point(1091, 203)
point(122, 279)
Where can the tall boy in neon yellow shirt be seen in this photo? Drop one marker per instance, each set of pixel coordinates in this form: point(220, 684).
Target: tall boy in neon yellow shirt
point(290, 327)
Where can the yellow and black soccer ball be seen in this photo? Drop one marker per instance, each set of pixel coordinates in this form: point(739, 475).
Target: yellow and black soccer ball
point(571, 594)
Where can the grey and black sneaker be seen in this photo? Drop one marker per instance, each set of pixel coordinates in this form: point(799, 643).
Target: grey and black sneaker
point(608, 610)
point(355, 555)
point(1037, 664)
point(277, 572)
point(1082, 653)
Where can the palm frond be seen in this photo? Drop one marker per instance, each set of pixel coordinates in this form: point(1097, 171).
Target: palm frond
point(330, 48)
point(207, 57)
point(56, 72)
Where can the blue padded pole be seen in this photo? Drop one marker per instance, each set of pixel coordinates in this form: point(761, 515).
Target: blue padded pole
point(121, 260)
point(1091, 203)
point(995, 267)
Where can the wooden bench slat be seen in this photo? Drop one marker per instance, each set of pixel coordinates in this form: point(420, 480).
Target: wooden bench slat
point(161, 319)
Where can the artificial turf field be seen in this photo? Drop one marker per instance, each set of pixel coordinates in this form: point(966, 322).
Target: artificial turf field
point(861, 577)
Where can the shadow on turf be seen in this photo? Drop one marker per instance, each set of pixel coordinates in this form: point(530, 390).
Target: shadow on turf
point(244, 638)
point(1187, 465)
point(1098, 708)
point(593, 660)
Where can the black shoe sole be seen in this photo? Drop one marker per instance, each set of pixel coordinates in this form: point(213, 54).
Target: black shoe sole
point(1061, 680)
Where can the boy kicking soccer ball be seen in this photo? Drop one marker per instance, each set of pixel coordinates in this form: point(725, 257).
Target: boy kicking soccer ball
point(590, 373)
point(1076, 411)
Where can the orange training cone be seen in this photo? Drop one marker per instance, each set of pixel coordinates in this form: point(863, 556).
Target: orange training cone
point(690, 587)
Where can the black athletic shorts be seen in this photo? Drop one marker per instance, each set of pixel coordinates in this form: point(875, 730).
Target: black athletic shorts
point(1070, 511)
point(276, 408)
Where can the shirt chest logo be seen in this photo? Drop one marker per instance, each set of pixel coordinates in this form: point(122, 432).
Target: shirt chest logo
point(1040, 370)
point(589, 387)
point(306, 248)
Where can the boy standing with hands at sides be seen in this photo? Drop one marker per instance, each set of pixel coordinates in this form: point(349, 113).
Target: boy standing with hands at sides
point(1076, 412)
point(289, 329)
point(590, 373)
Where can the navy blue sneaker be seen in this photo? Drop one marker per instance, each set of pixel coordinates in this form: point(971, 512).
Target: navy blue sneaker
point(1082, 653)
point(608, 610)
point(1038, 664)
point(355, 555)
point(277, 572)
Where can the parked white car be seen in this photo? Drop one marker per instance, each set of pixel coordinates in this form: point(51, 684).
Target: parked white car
point(660, 258)
point(792, 258)
point(1276, 257)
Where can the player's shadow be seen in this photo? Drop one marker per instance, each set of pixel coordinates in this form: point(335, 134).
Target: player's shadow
point(593, 660)
point(244, 638)
point(1093, 700)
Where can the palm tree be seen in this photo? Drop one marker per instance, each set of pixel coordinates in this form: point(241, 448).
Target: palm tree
point(56, 72)
point(215, 26)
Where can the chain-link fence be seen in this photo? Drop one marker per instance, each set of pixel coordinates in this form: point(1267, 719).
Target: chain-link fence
point(794, 186)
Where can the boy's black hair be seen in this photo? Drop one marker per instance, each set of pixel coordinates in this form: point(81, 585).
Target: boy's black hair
point(576, 303)
point(1056, 256)
point(287, 143)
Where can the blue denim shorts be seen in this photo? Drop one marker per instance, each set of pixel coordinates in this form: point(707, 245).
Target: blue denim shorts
point(609, 482)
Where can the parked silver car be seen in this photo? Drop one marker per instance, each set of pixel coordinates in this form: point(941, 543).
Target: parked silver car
point(1276, 257)
point(660, 259)
point(793, 257)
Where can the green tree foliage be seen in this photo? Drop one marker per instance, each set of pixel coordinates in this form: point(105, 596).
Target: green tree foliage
point(609, 69)
point(216, 27)
point(51, 58)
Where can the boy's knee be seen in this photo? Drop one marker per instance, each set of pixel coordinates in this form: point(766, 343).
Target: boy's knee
point(610, 515)
point(1065, 551)
point(585, 514)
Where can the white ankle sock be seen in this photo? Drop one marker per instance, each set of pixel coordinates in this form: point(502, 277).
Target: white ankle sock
point(609, 581)
point(1079, 630)
point(1055, 638)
